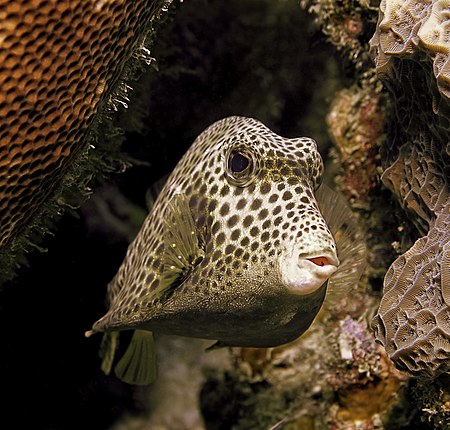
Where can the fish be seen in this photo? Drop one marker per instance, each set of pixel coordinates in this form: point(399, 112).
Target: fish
point(235, 249)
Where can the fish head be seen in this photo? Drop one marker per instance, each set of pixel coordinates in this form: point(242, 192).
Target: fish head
point(267, 250)
point(267, 213)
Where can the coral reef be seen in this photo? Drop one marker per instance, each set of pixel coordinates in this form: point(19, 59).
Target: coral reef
point(354, 384)
point(62, 64)
point(411, 50)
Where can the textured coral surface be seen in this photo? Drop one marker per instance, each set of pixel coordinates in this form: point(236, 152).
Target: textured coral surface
point(411, 49)
point(58, 61)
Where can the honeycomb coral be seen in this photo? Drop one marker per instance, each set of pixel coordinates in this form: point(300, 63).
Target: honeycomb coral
point(59, 63)
point(411, 47)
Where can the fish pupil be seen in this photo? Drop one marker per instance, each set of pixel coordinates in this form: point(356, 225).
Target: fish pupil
point(239, 162)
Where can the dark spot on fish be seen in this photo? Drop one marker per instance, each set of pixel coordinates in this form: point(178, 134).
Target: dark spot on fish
point(233, 220)
point(224, 209)
point(285, 171)
point(256, 204)
point(248, 221)
point(224, 191)
point(235, 234)
point(265, 188)
point(212, 205)
point(254, 246)
point(229, 249)
point(216, 256)
point(245, 241)
point(266, 224)
point(202, 205)
point(254, 231)
point(215, 227)
point(193, 201)
point(220, 239)
point(263, 213)
point(241, 204)
point(287, 195)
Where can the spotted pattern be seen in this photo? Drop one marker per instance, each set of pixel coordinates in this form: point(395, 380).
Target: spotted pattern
point(245, 220)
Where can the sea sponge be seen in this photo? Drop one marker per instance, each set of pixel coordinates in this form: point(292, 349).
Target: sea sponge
point(61, 63)
point(411, 47)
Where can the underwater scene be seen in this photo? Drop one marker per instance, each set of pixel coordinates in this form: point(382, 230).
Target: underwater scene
point(225, 215)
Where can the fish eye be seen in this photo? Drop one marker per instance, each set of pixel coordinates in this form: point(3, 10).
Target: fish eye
point(238, 162)
point(240, 166)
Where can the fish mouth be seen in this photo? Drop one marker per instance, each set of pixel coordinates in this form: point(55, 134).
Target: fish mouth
point(304, 274)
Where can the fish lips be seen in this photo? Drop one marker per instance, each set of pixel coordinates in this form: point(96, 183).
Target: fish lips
point(305, 274)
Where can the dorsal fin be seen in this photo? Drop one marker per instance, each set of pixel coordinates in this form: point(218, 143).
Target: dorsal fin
point(154, 191)
point(351, 247)
point(138, 364)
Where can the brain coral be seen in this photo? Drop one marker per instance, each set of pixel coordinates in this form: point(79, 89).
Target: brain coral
point(60, 62)
point(411, 47)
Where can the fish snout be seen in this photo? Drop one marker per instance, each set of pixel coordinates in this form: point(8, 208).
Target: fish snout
point(303, 274)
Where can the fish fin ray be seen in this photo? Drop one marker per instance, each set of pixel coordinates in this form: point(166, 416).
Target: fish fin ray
point(183, 245)
point(349, 238)
point(138, 364)
point(108, 348)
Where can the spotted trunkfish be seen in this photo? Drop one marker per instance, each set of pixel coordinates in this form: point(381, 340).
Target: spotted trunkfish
point(236, 249)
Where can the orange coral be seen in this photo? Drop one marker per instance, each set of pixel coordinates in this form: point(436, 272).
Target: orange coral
point(59, 61)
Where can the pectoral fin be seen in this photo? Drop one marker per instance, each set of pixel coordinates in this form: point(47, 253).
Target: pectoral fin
point(138, 364)
point(183, 245)
point(108, 347)
point(216, 345)
point(349, 238)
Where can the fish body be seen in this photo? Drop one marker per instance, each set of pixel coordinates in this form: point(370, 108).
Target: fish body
point(235, 248)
